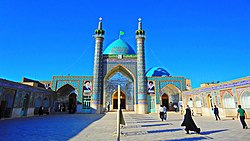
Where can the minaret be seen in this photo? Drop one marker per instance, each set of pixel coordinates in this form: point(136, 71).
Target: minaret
point(141, 77)
point(97, 75)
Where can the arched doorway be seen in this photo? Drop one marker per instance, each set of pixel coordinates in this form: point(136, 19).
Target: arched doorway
point(245, 98)
point(115, 100)
point(72, 103)
point(66, 99)
point(7, 102)
point(25, 105)
point(122, 76)
point(229, 104)
point(171, 95)
point(38, 104)
point(165, 101)
point(209, 101)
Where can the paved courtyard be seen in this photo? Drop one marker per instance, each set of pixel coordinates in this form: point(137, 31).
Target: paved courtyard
point(102, 127)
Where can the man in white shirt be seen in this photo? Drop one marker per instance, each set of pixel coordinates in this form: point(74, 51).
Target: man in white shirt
point(161, 110)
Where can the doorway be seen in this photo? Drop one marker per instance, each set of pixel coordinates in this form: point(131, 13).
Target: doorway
point(115, 100)
point(165, 100)
point(25, 105)
point(72, 103)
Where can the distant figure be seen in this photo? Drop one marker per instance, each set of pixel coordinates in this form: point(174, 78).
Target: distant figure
point(189, 122)
point(59, 108)
point(165, 112)
point(175, 108)
point(243, 115)
point(63, 108)
point(161, 110)
point(108, 107)
point(40, 112)
point(181, 107)
point(216, 113)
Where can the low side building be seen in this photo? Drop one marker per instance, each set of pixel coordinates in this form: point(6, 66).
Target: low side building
point(226, 96)
point(18, 100)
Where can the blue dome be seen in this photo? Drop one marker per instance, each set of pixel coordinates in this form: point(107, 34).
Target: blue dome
point(157, 71)
point(119, 47)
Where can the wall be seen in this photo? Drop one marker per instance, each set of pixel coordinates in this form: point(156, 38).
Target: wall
point(226, 96)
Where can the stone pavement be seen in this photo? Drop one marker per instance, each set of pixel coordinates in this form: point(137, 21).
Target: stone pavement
point(100, 127)
point(59, 127)
point(150, 128)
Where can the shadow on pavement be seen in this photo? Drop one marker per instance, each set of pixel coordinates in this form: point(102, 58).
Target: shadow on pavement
point(149, 125)
point(191, 139)
point(150, 132)
point(152, 125)
point(163, 131)
point(148, 121)
point(52, 127)
point(212, 131)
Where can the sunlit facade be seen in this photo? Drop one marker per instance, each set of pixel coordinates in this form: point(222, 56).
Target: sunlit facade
point(226, 96)
point(141, 91)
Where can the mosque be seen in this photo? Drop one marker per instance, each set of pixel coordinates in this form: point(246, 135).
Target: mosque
point(141, 91)
point(119, 64)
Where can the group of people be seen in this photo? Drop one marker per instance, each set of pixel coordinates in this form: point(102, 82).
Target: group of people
point(189, 123)
point(240, 112)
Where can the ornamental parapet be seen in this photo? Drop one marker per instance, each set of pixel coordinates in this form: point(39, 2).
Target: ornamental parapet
point(224, 85)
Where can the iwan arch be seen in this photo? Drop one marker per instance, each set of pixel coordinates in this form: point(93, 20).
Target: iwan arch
point(142, 91)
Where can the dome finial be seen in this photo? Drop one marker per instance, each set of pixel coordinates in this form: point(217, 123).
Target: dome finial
point(100, 23)
point(139, 24)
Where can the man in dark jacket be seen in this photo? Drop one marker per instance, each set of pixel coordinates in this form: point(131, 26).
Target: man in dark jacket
point(216, 113)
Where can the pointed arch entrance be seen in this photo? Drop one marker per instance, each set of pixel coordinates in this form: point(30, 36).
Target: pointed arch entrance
point(119, 75)
point(66, 99)
point(72, 103)
point(25, 105)
point(209, 101)
point(115, 100)
point(165, 101)
point(171, 95)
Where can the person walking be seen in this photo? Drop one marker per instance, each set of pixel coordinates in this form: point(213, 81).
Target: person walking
point(188, 122)
point(182, 111)
point(161, 110)
point(243, 115)
point(175, 108)
point(40, 111)
point(216, 112)
point(165, 112)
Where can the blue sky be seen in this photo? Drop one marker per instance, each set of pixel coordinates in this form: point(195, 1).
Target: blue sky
point(201, 40)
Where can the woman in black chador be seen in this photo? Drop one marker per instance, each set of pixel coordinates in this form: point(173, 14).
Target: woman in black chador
point(189, 122)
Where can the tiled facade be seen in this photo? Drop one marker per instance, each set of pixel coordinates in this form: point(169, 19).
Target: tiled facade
point(226, 96)
point(19, 100)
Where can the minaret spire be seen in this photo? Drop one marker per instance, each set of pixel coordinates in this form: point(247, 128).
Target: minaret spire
point(96, 98)
point(140, 32)
point(139, 24)
point(99, 31)
point(100, 23)
point(141, 77)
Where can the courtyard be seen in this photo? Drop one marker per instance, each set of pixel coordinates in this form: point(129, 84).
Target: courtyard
point(102, 127)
